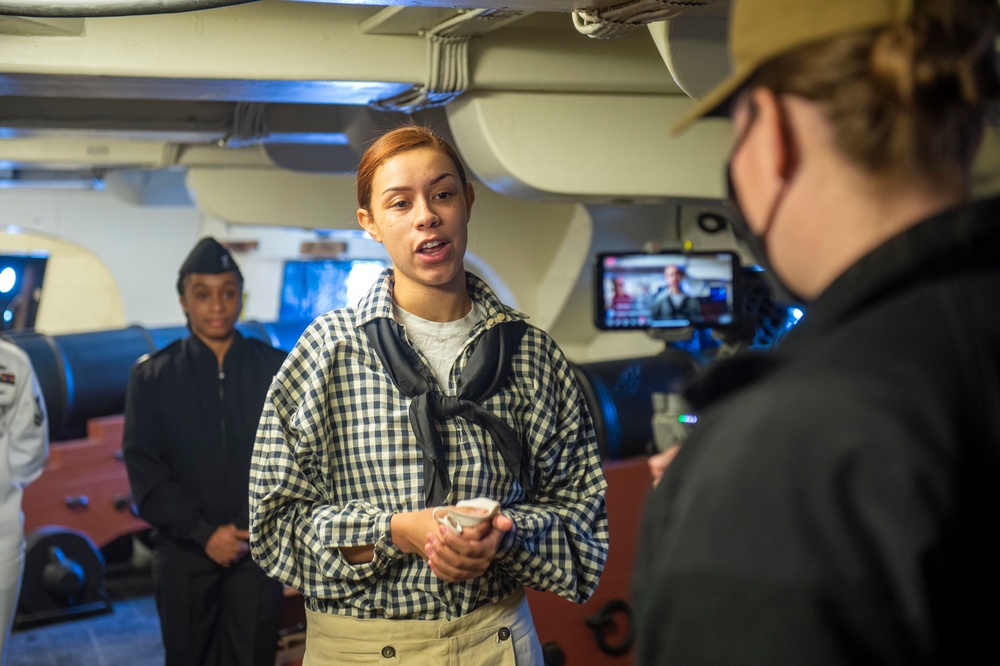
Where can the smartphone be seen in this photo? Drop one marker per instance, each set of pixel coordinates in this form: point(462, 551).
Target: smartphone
point(642, 290)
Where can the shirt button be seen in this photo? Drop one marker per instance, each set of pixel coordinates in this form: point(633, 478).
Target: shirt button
point(503, 634)
point(501, 317)
point(388, 652)
point(490, 321)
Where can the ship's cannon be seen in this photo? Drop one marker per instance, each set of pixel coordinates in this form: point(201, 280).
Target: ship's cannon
point(81, 503)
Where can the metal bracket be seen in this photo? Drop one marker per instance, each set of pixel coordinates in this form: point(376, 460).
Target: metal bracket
point(448, 59)
point(620, 20)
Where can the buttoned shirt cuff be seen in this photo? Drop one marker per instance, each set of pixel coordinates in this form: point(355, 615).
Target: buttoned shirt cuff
point(385, 549)
point(385, 552)
point(510, 542)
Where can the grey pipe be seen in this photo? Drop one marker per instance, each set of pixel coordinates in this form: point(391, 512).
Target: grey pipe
point(99, 8)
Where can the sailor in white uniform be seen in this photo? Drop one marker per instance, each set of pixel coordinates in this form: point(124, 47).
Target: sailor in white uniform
point(24, 444)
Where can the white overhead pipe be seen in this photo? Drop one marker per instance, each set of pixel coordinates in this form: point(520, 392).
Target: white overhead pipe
point(100, 8)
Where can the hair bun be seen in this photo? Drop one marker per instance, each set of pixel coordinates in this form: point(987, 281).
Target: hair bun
point(932, 63)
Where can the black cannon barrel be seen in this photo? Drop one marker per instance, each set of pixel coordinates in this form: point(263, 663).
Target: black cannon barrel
point(619, 395)
point(85, 375)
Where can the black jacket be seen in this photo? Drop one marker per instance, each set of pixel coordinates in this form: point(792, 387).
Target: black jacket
point(663, 308)
point(189, 434)
point(837, 503)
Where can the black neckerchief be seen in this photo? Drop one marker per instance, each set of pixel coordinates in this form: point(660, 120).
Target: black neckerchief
point(484, 375)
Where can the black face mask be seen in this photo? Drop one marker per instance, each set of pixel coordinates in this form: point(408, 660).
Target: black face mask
point(780, 293)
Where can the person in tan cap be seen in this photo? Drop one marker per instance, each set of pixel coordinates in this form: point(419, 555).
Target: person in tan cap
point(835, 505)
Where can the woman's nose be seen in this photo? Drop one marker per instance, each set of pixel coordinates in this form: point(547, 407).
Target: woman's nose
point(425, 215)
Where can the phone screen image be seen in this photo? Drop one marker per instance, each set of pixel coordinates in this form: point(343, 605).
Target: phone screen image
point(666, 290)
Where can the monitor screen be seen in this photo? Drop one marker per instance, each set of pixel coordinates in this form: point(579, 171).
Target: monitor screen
point(666, 290)
point(315, 286)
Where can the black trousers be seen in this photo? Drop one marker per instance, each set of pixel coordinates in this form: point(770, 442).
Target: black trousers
point(212, 615)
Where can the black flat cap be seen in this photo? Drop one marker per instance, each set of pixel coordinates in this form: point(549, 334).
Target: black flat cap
point(208, 256)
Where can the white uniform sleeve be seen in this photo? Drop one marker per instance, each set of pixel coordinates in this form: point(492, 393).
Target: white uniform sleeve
point(27, 427)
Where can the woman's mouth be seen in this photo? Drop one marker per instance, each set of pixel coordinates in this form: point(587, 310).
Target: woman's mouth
point(432, 248)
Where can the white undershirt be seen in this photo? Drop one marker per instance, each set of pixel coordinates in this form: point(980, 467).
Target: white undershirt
point(439, 342)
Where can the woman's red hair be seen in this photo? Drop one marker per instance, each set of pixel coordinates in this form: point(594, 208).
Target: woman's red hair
point(393, 143)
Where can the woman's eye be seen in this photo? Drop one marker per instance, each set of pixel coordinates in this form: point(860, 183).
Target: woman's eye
point(445, 195)
point(398, 204)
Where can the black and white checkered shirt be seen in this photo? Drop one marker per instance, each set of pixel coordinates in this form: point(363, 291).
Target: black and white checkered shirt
point(335, 458)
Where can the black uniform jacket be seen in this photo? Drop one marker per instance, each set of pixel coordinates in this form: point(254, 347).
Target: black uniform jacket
point(189, 434)
point(838, 501)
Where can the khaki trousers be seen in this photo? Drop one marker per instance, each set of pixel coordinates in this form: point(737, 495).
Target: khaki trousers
point(500, 634)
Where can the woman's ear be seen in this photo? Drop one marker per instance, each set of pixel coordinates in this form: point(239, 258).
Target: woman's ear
point(781, 156)
point(470, 197)
point(368, 224)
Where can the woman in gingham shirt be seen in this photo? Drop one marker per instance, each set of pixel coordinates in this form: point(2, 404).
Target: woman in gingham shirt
point(430, 391)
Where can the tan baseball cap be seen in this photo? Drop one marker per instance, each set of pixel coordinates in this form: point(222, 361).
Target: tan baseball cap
point(761, 30)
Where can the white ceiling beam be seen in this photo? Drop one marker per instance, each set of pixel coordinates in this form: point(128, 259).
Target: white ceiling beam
point(589, 147)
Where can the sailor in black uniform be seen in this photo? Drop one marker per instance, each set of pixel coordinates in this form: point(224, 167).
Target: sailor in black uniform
point(190, 418)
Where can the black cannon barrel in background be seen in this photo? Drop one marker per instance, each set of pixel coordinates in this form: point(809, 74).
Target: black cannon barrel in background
point(619, 395)
point(85, 375)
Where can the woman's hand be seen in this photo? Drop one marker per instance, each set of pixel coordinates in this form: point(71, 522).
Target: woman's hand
point(658, 463)
point(410, 530)
point(458, 557)
point(227, 545)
